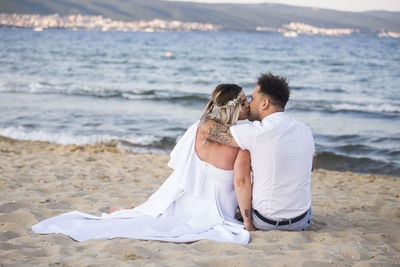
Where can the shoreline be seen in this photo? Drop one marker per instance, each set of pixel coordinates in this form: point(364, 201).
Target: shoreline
point(320, 159)
point(356, 217)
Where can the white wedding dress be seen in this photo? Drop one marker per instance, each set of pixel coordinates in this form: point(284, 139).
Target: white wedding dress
point(197, 201)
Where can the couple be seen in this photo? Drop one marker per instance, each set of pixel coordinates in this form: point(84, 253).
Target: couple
point(211, 176)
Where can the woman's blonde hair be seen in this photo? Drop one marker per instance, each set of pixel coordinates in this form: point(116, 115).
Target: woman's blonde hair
point(224, 104)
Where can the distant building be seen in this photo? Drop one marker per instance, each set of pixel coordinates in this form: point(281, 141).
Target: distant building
point(84, 22)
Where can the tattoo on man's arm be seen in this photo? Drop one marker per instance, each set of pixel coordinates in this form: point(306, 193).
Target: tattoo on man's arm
point(246, 213)
point(220, 134)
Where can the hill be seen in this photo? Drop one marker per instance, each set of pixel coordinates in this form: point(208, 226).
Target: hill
point(229, 16)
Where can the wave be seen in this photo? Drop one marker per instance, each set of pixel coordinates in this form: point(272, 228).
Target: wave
point(348, 157)
point(391, 153)
point(158, 95)
point(165, 144)
point(358, 153)
point(236, 59)
point(48, 88)
point(361, 145)
point(381, 107)
point(161, 144)
point(391, 107)
point(313, 89)
point(338, 162)
point(335, 142)
point(325, 106)
point(354, 148)
point(69, 89)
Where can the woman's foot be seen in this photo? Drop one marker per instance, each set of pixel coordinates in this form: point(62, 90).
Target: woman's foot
point(117, 208)
point(114, 209)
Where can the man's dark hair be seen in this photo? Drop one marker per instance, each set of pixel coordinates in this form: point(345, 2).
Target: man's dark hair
point(276, 87)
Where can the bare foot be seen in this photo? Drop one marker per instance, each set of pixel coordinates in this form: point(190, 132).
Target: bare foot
point(117, 208)
point(114, 209)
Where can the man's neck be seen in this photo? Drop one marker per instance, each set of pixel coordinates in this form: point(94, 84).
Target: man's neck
point(271, 111)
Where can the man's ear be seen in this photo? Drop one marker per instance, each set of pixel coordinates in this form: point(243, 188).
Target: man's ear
point(265, 103)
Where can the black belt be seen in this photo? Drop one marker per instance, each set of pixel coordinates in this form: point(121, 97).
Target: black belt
point(277, 223)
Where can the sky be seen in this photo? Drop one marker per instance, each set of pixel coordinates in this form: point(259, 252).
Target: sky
point(343, 5)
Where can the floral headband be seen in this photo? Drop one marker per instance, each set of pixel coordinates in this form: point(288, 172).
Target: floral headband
point(233, 101)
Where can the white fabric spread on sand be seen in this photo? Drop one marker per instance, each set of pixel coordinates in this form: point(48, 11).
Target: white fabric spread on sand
point(197, 201)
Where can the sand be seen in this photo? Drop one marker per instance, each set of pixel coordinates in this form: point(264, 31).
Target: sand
point(356, 218)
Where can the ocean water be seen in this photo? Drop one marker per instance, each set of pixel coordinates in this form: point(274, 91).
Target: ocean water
point(84, 87)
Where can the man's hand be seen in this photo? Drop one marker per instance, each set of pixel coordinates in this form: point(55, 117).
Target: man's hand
point(248, 225)
point(247, 221)
point(217, 132)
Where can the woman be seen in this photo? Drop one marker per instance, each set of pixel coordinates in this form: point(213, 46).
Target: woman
point(197, 201)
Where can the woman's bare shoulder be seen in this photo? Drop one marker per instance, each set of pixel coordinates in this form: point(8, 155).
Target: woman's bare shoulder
point(204, 127)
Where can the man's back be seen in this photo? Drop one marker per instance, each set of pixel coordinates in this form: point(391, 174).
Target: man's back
point(281, 151)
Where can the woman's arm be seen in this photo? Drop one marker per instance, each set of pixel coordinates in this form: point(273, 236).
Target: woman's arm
point(243, 187)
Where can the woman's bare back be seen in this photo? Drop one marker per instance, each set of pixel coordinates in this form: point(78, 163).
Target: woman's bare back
point(220, 156)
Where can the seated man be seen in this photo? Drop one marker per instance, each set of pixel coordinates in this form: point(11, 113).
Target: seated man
point(281, 151)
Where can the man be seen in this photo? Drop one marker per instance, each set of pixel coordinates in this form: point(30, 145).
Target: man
point(281, 150)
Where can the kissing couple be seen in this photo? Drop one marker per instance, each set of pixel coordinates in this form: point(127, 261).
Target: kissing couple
point(240, 154)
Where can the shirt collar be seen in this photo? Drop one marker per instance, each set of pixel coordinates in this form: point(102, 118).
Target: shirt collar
point(274, 116)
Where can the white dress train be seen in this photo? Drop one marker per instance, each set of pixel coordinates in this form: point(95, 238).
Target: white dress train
point(197, 201)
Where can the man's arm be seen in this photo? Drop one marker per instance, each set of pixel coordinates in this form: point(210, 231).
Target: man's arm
point(243, 187)
point(217, 132)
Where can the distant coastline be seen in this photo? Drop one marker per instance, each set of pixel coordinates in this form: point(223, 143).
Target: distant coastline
point(99, 23)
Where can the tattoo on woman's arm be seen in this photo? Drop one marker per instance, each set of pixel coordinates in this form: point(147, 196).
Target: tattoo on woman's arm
point(246, 213)
point(220, 134)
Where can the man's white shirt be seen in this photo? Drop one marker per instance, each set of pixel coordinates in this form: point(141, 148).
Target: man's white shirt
point(281, 150)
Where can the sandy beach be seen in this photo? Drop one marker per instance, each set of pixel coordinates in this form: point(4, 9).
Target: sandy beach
point(356, 218)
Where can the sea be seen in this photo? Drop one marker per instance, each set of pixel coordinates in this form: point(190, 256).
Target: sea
point(141, 91)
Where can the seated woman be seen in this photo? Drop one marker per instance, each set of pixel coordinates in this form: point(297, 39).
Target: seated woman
point(197, 201)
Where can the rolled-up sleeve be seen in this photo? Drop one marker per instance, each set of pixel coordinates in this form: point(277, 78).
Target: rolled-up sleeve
point(244, 135)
